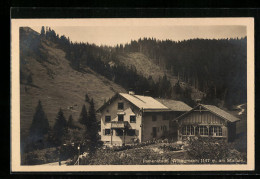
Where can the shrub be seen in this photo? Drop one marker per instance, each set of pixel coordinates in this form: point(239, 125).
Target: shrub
point(68, 151)
point(170, 147)
point(38, 157)
point(208, 148)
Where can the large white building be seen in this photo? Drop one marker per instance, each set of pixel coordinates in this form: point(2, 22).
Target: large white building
point(129, 118)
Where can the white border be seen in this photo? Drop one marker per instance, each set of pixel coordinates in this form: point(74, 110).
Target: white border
point(15, 91)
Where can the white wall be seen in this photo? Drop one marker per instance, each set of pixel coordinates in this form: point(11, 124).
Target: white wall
point(112, 110)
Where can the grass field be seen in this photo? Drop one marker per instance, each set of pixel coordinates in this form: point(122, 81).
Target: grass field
point(57, 85)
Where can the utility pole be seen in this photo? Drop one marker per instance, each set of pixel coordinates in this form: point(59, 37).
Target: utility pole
point(111, 133)
point(60, 156)
point(124, 136)
point(79, 153)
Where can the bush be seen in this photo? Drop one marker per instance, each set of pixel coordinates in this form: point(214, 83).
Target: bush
point(170, 147)
point(68, 151)
point(49, 155)
point(213, 149)
point(108, 157)
point(208, 148)
point(38, 157)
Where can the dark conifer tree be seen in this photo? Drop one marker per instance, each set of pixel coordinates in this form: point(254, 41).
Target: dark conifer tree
point(60, 128)
point(177, 88)
point(87, 98)
point(29, 79)
point(70, 122)
point(40, 124)
point(43, 31)
point(92, 138)
point(83, 118)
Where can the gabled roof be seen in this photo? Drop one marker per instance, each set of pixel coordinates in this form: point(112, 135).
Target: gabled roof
point(215, 110)
point(174, 105)
point(107, 103)
point(221, 113)
point(145, 103)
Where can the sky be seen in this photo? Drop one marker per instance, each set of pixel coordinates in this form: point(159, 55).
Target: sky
point(113, 35)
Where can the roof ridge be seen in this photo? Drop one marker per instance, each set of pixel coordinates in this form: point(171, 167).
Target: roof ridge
point(137, 98)
point(168, 99)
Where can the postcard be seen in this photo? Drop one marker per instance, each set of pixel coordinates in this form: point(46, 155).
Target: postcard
point(132, 94)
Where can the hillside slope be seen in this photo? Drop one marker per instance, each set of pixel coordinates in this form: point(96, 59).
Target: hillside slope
point(146, 67)
point(55, 83)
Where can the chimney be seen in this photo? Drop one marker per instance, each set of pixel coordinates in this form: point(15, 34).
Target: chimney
point(198, 101)
point(131, 92)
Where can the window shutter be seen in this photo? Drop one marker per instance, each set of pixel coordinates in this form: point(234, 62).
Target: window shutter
point(137, 132)
point(103, 131)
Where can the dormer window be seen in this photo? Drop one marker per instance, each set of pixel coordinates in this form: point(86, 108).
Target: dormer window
point(120, 106)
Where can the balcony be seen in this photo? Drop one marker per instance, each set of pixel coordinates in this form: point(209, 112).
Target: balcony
point(119, 124)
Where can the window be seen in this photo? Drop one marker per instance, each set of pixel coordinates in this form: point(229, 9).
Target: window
point(187, 130)
point(154, 118)
point(120, 117)
point(107, 131)
point(131, 132)
point(215, 131)
point(165, 117)
point(119, 132)
point(107, 118)
point(132, 119)
point(202, 130)
point(154, 134)
point(120, 106)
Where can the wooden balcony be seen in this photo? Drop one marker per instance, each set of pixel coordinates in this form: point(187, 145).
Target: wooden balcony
point(119, 124)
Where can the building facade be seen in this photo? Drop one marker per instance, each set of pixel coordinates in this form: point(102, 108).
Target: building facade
point(130, 118)
point(205, 121)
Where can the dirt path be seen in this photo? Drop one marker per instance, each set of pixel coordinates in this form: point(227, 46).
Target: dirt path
point(53, 164)
point(241, 109)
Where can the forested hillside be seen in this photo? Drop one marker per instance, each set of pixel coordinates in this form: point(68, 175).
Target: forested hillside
point(214, 69)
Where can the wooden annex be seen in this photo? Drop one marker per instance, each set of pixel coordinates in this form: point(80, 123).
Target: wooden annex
point(205, 121)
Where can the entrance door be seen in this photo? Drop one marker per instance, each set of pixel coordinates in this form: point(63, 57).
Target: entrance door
point(154, 132)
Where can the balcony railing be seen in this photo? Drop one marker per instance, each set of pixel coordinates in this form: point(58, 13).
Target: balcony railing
point(119, 124)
